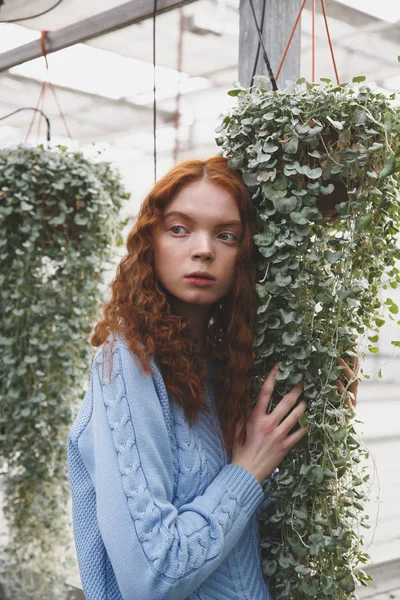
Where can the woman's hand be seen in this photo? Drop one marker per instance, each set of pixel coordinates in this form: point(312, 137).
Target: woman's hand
point(350, 373)
point(268, 440)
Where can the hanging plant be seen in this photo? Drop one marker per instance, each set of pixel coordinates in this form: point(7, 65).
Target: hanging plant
point(323, 165)
point(58, 227)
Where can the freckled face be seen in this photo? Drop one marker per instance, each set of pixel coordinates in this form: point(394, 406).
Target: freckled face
point(204, 236)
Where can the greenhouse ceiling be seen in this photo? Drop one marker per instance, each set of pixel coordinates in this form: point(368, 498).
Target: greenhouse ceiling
point(105, 86)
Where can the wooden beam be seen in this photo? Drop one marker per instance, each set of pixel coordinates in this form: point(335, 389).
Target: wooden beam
point(280, 16)
point(111, 20)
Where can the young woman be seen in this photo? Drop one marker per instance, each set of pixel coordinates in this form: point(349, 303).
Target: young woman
point(166, 455)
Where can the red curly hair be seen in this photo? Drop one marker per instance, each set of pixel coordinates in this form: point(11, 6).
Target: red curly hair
point(139, 307)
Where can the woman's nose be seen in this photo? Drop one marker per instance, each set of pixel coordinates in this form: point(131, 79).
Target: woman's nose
point(203, 248)
point(204, 255)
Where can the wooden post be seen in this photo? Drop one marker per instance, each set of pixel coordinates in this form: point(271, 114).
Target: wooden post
point(280, 16)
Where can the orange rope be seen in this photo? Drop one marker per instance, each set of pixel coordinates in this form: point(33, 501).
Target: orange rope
point(41, 106)
point(313, 43)
point(43, 46)
point(330, 41)
point(43, 89)
point(34, 114)
point(53, 89)
point(290, 40)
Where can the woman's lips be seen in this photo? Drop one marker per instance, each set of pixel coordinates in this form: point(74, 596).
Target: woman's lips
point(200, 281)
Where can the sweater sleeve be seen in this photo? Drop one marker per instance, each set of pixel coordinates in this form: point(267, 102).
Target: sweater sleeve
point(155, 549)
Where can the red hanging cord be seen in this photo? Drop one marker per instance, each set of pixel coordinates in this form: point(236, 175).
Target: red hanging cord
point(43, 36)
point(41, 106)
point(53, 89)
point(313, 43)
point(43, 89)
point(290, 40)
point(329, 40)
point(40, 102)
point(44, 84)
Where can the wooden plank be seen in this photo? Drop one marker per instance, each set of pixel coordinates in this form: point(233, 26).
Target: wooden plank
point(279, 19)
point(110, 20)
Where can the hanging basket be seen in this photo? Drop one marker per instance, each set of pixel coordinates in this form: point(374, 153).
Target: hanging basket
point(59, 226)
point(323, 165)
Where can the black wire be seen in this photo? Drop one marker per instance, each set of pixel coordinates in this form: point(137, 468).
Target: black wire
point(31, 108)
point(258, 45)
point(154, 92)
point(265, 55)
point(34, 16)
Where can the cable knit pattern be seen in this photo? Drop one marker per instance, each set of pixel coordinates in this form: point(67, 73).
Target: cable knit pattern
point(191, 548)
point(157, 511)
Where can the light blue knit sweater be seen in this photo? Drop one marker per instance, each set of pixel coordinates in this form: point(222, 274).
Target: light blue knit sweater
point(158, 511)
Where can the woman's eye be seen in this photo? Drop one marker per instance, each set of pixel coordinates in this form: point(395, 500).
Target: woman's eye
point(231, 234)
point(175, 230)
point(176, 227)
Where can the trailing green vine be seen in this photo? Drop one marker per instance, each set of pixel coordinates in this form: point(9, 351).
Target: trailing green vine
point(59, 223)
point(323, 165)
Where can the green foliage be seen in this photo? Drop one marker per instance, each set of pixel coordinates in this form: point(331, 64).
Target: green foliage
point(323, 165)
point(58, 227)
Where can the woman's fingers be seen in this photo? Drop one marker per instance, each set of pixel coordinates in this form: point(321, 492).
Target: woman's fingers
point(349, 397)
point(291, 420)
point(353, 389)
point(266, 392)
point(293, 438)
point(287, 402)
point(352, 380)
point(268, 439)
point(350, 374)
